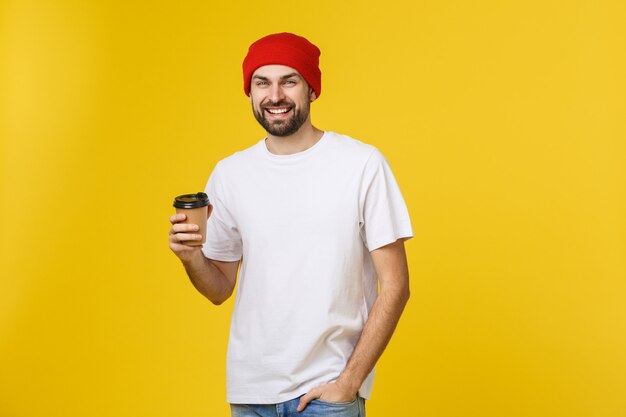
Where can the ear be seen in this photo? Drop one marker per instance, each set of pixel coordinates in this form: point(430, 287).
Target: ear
point(312, 95)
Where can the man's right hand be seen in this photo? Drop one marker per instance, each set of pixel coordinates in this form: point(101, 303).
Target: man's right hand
point(181, 234)
point(214, 279)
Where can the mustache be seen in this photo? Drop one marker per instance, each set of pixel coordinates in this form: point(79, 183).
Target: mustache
point(281, 103)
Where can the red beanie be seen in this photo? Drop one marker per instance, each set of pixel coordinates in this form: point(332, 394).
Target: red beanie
point(284, 49)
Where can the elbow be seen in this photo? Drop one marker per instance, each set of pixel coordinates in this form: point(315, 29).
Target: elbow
point(406, 294)
point(397, 291)
point(219, 299)
point(216, 302)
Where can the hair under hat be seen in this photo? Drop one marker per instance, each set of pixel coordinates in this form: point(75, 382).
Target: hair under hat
point(284, 49)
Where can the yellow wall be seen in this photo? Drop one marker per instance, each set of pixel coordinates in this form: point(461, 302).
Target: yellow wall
point(503, 121)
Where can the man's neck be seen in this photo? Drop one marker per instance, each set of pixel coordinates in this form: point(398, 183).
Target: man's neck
point(303, 139)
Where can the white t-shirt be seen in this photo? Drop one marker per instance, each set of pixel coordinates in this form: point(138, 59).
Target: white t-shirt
point(303, 225)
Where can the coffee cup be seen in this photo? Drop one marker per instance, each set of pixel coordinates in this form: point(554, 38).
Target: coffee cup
point(197, 208)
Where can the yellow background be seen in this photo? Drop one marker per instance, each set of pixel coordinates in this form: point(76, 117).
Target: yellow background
point(504, 123)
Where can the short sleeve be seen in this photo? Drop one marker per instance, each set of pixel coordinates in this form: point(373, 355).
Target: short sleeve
point(223, 240)
point(384, 215)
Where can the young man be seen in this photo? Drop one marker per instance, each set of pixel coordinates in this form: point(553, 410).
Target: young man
point(316, 222)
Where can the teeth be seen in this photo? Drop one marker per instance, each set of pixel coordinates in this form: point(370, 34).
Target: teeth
point(277, 111)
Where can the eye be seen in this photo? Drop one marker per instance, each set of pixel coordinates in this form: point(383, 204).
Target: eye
point(261, 83)
point(290, 82)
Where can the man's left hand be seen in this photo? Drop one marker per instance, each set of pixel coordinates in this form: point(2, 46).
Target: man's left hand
point(335, 392)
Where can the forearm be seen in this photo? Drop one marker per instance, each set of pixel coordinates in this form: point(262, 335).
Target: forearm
point(208, 279)
point(376, 334)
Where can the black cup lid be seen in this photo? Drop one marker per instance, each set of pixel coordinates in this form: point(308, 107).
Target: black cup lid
point(189, 201)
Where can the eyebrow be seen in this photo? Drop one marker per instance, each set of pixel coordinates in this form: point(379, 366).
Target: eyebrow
point(293, 74)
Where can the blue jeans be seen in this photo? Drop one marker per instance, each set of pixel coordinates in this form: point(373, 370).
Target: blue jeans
point(315, 408)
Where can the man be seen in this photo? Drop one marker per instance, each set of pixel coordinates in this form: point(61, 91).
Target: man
point(316, 222)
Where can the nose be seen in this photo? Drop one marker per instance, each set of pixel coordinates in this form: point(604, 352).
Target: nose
point(276, 93)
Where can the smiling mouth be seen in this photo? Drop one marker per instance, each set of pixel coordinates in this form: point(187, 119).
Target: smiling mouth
point(278, 111)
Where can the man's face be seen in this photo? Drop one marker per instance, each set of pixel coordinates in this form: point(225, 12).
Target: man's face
point(281, 99)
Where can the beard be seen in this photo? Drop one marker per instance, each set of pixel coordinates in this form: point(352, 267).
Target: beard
point(282, 127)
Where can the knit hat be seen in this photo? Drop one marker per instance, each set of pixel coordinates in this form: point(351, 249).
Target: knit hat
point(284, 49)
